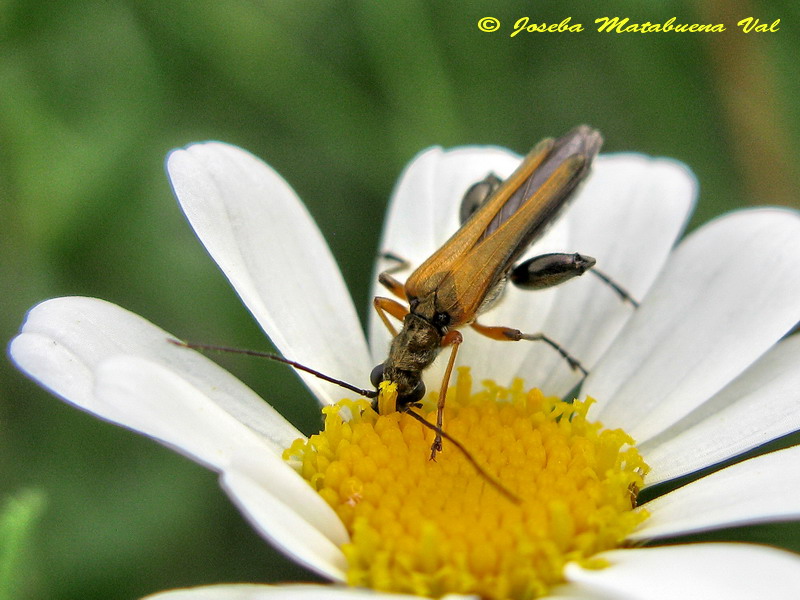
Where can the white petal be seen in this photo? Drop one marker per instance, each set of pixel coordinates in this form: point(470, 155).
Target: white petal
point(628, 216)
point(159, 403)
point(760, 405)
point(276, 592)
point(701, 571)
point(762, 489)
point(154, 400)
point(262, 237)
point(64, 340)
point(728, 293)
point(284, 526)
point(242, 591)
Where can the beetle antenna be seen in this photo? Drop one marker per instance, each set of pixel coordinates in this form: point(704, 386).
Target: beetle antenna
point(361, 392)
point(620, 291)
point(493, 481)
point(280, 359)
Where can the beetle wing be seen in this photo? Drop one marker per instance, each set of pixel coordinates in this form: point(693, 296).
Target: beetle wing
point(581, 141)
point(461, 273)
point(429, 275)
point(466, 285)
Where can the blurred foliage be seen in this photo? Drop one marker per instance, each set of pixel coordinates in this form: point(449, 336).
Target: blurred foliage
point(18, 516)
point(337, 96)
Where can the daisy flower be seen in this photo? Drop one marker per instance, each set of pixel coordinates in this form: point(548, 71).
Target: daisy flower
point(696, 375)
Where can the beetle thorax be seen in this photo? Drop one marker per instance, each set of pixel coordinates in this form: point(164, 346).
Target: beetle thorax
point(412, 350)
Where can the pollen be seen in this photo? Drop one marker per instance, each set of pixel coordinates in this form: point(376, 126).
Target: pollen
point(547, 487)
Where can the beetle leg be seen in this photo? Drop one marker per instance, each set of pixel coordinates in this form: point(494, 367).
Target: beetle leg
point(384, 306)
point(477, 195)
point(451, 338)
point(621, 292)
point(402, 263)
point(391, 284)
point(508, 334)
point(548, 270)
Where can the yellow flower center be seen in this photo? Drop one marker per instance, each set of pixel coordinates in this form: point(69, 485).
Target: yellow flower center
point(437, 527)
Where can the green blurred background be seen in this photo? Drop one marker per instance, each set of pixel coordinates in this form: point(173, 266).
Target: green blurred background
point(337, 96)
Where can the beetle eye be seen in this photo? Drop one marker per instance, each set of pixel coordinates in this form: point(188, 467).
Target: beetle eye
point(416, 394)
point(441, 320)
point(376, 376)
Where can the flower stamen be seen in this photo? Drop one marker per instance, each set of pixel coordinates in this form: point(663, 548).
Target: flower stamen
point(436, 527)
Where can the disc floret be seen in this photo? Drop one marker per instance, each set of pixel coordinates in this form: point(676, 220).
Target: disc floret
point(437, 527)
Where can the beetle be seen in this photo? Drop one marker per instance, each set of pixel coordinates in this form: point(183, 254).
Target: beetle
point(467, 274)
